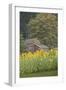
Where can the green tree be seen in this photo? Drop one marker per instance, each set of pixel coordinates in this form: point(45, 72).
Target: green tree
point(44, 27)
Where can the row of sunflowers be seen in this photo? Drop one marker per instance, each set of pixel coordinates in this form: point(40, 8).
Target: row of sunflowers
point(39, 60)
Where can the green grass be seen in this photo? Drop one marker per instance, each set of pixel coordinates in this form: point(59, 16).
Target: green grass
point(40, 74)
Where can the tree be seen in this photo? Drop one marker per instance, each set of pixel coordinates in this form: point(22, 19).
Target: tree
point(24, 19)
point(44, 27)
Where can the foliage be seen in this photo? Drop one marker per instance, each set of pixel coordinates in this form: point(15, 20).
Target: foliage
point(44, 27)
point(25, 17)
point(38, 61)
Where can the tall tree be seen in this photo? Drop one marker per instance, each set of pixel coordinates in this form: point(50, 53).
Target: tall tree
point(45, 27)
point(24, 19)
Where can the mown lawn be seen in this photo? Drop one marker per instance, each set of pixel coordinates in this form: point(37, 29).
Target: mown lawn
point(40, 74)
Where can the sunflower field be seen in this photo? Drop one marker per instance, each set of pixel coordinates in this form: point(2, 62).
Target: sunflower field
point(38, 61)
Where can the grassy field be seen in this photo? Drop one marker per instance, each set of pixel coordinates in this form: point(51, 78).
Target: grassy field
point(40, 74)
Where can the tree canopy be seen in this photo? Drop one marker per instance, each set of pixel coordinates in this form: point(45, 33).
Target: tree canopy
point(44, 27)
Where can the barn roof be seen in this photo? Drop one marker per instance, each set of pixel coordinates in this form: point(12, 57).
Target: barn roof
point(42, 46)
point(36, 42)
